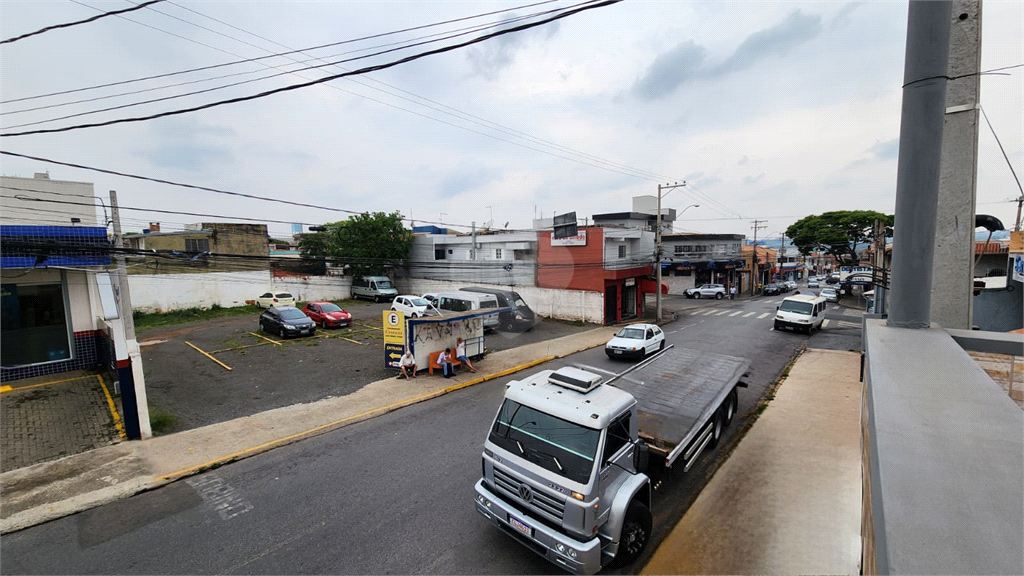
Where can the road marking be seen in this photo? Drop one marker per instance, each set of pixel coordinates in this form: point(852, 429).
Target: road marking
point(735, 313)
point(763, 315)
point(722, 312)
point(207, 355)
point(695, 312)
point(749, 314)
point(824, 323)
point(5, 389)
point(220, 495)
point(113, 409)
point(151, 342)
point(274, 342)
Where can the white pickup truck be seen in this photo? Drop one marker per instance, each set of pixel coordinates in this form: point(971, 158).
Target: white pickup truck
point(564, 463)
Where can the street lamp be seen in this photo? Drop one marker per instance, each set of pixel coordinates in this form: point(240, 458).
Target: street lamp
point(657, 242)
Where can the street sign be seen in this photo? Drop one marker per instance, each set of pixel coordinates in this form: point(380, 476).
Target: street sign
point(394, 337)
point(392, 354)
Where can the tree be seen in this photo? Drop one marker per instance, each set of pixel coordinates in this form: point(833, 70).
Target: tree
point(367, 243)
point(837, 233)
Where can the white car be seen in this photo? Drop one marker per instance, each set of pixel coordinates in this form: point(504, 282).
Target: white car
point(413, 306)
point(706, 291)
point(276, 299)
point(635, 341)
point(830, 294)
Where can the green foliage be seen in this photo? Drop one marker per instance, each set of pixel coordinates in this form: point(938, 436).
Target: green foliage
point(146, 320)
point(837, 233)
point(367, 243)
point(160, 421)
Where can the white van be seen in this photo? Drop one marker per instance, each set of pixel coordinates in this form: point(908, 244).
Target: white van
point(800, 312)
point(468, 302)
point(376, 288)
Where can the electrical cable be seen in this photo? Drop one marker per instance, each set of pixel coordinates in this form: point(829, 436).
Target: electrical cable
point(76, 23)
point(367, 69)
point(200, 69)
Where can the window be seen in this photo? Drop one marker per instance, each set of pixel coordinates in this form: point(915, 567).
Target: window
point(35, 328)
point(622, 251)
point(438, 253)
point(497, 253)
point(687, 248)
point(618, 436)
point(197, 245)
point(678, 249)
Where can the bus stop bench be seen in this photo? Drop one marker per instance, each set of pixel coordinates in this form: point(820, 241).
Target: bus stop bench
point(432, 363)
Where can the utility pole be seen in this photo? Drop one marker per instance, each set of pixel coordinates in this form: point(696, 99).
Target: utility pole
point(756, 225)
point(879, 276)
point(472, 249)
point(1020, 202)
point(657, 250)
point(133, 390)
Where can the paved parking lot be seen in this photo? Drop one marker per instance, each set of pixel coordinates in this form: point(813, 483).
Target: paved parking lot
point(45, 419)
point(189, 389)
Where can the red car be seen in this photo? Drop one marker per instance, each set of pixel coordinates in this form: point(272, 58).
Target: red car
point(327, 314)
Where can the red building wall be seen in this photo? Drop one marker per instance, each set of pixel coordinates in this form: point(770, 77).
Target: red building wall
point(571, 267)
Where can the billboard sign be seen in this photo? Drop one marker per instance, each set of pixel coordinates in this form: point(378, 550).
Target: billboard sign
point(579, 240)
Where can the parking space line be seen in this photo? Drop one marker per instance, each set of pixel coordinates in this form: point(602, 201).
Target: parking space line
point(274, 342)
point(351, 340)
point(735, 313)
point(113, 409)
point(749, 314)
point(5, 389)
point(763, 315)
point(368, 326)
point(207, 354)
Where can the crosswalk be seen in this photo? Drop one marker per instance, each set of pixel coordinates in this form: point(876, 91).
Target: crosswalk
point(754, 315)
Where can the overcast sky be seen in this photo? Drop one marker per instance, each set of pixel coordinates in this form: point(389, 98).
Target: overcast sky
point(769, 110)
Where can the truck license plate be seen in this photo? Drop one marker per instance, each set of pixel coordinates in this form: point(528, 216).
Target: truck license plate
point(519, 525)
point(618, 351)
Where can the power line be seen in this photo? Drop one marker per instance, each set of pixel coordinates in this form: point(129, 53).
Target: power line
point(86, 21)
point(364, 70)
point(245, 60)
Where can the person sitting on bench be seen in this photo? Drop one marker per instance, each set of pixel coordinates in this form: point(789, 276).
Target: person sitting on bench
point(445, 360)
point(408, 365)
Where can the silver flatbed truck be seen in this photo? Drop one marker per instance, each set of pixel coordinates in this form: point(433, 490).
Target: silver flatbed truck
point(564, 463)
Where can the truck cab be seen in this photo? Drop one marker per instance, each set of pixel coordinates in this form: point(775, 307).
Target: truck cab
point(563, 471)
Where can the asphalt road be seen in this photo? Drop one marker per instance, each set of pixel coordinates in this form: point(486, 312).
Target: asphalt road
point(388, 495)
point(195, 391)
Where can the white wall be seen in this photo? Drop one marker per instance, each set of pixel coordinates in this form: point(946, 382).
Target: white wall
point(152, 292)
point(82, 203)
point(548, 302)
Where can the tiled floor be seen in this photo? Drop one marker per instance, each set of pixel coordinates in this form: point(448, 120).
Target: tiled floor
point(998, 367)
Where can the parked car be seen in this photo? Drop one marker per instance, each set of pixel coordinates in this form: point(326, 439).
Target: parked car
point(521, 317)
point(328, 314)
point(706, 291)
point(635, 341)
point(771, 289)
point(790, 285)
point(269, 299)
point(813, 283)
point(830, 294)
point(834, 279)
point(376, 288)
point(413, 306)
point(286, 321)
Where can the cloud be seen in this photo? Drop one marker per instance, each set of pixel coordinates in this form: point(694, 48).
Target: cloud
point(685, 62)
point(192, 158)
point(670, 70)
point(753, 179)
point(743, 160)
point(796, 29)
point(466, 179)
point(492, 56)
point(887, 150)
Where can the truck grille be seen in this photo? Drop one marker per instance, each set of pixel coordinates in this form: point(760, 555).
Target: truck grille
point(549, 506)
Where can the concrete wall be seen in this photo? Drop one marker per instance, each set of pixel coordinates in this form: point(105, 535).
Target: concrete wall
point(30, 213)
point(1000, 310)
point(152, 292)
point(551, 303)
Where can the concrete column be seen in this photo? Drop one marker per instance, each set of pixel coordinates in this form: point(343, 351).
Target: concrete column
point(953, 269)
point(917, 177)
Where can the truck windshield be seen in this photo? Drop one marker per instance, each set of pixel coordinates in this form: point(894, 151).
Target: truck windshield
point(554, 444)
point(794, 306)
point(384, 284)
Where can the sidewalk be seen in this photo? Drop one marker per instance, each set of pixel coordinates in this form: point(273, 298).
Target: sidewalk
point(50, 490)
point(788, 498)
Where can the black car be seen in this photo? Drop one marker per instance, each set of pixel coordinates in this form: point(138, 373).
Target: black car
point(772, 289)
point(287, 321)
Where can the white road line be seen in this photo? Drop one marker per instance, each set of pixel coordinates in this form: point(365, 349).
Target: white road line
point(749, 314)
point(709, 311)
point(721, 312)
point(824, 323)
point(735, 313)
point(763, 315)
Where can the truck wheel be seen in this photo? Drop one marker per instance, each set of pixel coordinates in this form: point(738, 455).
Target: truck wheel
point(636, 531)
point(719, 296)
point(716, 429)
point(730, 407)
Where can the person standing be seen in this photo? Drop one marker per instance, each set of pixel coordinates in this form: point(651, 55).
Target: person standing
point(732, 292)
point(460, 354)
point(408, 365)
point(444, 359)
